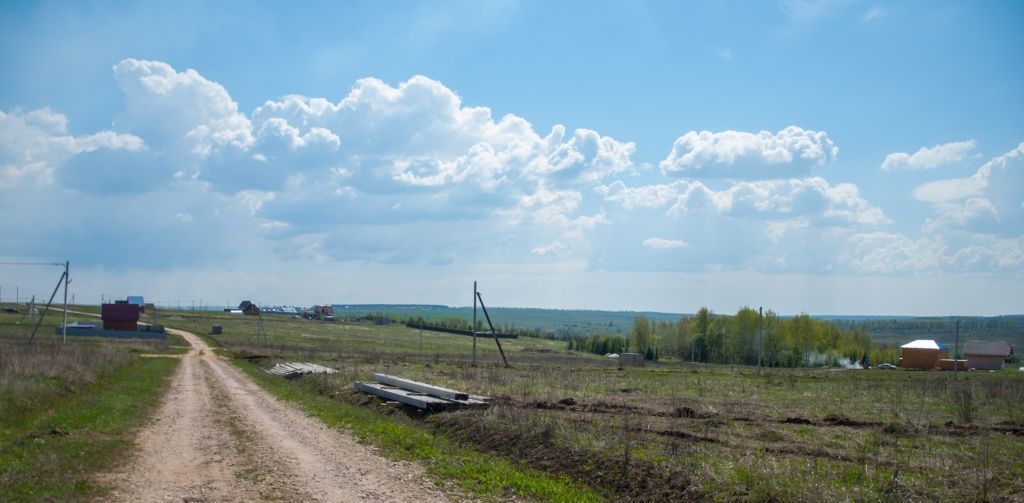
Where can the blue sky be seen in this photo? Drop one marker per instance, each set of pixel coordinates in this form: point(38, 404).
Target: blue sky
point(826, 157)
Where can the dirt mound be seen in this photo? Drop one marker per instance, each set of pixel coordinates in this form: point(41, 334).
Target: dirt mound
point(684, 412)
point(836, 420)
point(571, 404)
point(685, 435)
point(796, 420)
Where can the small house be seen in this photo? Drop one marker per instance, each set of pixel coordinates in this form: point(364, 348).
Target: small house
point(249, 308)
point(120, 316)
point(921, 354)
point(987, 355)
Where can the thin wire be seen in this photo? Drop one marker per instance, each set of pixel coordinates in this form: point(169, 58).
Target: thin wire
point(32, 263)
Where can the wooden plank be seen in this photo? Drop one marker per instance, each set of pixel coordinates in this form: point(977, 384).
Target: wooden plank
point(420, 387)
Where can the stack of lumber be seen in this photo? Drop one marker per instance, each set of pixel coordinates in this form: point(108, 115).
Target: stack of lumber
point(293, 370)
point(420, 395)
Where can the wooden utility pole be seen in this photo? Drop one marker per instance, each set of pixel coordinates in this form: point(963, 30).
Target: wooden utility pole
point(956, 352)
point(67, 274)
point(760, 337)
point(473, 328)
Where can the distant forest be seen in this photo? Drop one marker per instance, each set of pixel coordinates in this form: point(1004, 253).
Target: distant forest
point(1008, 328)
point(734, 339)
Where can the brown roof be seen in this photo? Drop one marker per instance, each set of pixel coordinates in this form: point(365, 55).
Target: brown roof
point(988, 348)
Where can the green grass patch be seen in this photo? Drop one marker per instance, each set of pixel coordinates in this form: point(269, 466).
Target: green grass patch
point(56, 447)
point(482, 474)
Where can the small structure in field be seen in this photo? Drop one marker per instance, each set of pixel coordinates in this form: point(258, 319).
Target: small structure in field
point(421, 395)
point(216, 330)
point(987, 355)
point(631, 359)
point(247, 307)
point(120, 321)
point(922, 354)
point(120, 316)
point(322, 312)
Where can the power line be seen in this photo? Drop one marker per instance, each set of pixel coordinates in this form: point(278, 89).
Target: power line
point(33, 263)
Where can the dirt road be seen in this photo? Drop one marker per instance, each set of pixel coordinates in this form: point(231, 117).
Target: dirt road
point(217, 436)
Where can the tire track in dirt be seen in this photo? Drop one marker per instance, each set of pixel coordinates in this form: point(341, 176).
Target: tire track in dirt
point(185, 454)
point(236, 442)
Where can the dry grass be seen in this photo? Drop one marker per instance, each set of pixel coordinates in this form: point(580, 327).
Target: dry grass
point(34, 372)
point(67, 411)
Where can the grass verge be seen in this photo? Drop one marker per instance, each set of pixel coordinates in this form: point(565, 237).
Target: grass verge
point(54, 450)
point(484, 475)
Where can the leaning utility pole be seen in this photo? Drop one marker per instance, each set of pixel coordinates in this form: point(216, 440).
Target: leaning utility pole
point(473, 328)
point(493, 331)
point(63, 279)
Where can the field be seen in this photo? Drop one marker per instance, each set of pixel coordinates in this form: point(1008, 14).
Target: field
point(69, 411)
point(666, 431)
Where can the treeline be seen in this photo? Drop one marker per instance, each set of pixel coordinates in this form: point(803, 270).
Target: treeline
point(735, 339)
point(463, 325)
point(599, 344)
point(939, 325)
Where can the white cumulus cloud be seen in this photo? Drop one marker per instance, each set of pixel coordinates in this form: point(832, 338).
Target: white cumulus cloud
point(974, 185)
point(885, 253)
point(989, 253)
point(168, 108)
point(34, 143)
point(812, 198)
point(929, 158)
point(664, 244)
point(555, 249)
point(975, 213)
point(987, 203)
point(792, 151)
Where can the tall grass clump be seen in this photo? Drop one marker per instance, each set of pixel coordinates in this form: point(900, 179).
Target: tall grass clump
point(961, 396)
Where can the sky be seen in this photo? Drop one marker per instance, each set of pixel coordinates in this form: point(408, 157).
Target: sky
point(827, 157)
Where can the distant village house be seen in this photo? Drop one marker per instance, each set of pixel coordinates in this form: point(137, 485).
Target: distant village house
point(987, 355)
